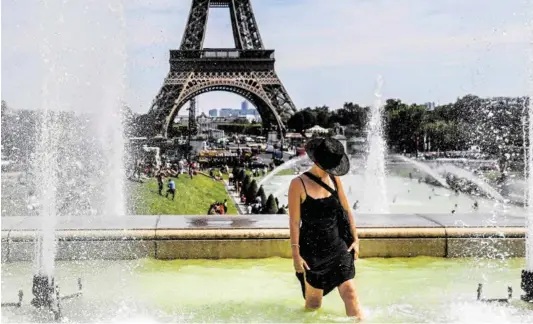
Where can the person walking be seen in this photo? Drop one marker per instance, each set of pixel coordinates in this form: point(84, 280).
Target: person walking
point(171, 188)
point(160, 183)
point(323, 234)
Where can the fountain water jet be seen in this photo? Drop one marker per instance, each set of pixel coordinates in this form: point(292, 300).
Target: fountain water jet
point(462, 173)
point(375, 194)
point(527, 273)
point(282, 167)
point(426, 168)
point(73, 34)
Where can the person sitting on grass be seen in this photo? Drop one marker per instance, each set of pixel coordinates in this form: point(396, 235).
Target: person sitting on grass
point(171, 188)
point(220, 208)
point(212, 210)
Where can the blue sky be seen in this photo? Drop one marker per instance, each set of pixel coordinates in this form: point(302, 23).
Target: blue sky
point(327, 52)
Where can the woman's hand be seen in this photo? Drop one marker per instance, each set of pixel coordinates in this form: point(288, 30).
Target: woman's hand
point(355, 248)
point(299, 264)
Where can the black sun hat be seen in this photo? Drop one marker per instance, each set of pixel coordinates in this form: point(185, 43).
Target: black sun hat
point(328, 153)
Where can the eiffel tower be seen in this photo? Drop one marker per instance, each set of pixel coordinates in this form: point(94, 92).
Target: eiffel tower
point(246, 70)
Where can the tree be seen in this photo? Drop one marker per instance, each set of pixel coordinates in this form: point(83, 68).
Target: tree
point(302, 120)
point(128, 120)
point(246, 185)
point(143, 125)
point(235, 173)
point(282, 211)
point(241, 175)
point(323, 116)
point(271, 207)
point(251, 193)
point(351, 114)
point(261, 193)
point(404, 128)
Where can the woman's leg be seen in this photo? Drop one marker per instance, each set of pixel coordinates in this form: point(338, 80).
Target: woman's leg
point(351, 301)
point(313, 297)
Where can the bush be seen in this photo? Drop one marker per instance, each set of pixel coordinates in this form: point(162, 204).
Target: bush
point(282, 211)
point(251, 193)
point(271, 207)
point(261, 193)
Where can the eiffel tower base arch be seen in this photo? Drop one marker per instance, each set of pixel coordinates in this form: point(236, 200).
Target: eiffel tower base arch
point(257, 88)
point(246, 70)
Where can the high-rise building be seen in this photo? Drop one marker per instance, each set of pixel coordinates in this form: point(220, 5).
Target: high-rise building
point(244, 107)
point(430, 106)
point(213, 113)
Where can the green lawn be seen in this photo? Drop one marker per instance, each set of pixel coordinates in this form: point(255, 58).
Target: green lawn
point(289, 171)
point(193, 197)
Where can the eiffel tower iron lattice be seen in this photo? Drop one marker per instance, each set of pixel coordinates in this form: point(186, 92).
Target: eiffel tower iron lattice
point(246, 70)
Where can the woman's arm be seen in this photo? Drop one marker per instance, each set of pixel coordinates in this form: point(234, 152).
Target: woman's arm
point(295, 190)
point(295, 193)
point(346, 205)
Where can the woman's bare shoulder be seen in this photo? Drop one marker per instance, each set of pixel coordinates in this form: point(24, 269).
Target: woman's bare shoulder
point(296, 182)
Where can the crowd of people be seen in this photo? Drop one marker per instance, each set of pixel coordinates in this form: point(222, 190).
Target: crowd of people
point(218, 208)
point(147, 169)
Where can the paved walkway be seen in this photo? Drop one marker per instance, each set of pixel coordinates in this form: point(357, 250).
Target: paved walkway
point(241, 208)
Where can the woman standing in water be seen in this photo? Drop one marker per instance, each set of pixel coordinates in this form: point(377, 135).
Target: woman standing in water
point(322, 228)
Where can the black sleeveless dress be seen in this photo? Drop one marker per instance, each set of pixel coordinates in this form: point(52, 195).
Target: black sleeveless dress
point(323, 242)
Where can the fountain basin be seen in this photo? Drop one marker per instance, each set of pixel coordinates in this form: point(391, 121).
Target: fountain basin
point(260, 236)
point(266, 290)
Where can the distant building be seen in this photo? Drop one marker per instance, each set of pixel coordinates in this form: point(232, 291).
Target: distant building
point(430, 106)
point(209, 122)
point(228, 112)
point(244, 107)
point(245, 111)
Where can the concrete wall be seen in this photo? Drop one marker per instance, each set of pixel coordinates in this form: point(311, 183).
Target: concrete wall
point(258, 236)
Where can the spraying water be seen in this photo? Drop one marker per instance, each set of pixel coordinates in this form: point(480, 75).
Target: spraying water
point(462, 173)
point(426, 168)
point(529, 219)
point(111, 128)
point(79, 157)
point(375, 195)
point(284, 166)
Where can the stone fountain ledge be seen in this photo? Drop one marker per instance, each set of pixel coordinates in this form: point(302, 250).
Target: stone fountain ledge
point(260, 236)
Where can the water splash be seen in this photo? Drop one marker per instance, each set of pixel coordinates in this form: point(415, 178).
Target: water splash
point(375, 195)
point(284, 166)
point(462, 173)
point(111, 128)
point(80, 150)
point(426, 168)
point(529, 219)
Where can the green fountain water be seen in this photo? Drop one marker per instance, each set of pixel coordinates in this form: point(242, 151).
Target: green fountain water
point(412, 290)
